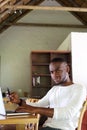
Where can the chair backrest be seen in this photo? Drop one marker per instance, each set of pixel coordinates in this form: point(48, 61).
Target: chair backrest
point(81, 115)
point(33, 99)
point(33, 126)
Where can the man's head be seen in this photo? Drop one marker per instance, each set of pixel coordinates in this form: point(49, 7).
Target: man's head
point(59, 70)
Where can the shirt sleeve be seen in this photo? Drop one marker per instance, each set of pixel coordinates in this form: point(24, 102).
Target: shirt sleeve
point(74, 107)
point(44, 102)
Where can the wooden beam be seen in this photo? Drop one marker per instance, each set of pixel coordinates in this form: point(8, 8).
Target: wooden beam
point(3, 3)
point(47, 25)
point(27, 7)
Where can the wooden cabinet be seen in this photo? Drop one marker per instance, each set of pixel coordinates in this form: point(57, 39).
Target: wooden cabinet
point(41, 79)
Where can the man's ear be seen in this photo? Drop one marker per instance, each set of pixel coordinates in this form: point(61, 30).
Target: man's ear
point(68, 68)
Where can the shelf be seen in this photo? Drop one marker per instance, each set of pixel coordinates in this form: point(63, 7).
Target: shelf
point(40, 75)
point(40, 64)
point(41, 87)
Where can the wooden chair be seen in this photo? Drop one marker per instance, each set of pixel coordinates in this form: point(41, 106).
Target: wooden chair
point(32, 99)
point(33, 126)
point(81, 115)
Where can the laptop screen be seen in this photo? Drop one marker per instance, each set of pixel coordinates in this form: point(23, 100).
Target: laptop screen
point(2, 108)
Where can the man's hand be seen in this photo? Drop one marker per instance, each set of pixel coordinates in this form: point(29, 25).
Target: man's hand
point(14, 98)
point(26, 108)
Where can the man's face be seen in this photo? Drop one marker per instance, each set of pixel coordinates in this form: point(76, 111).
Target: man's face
point(58, 71)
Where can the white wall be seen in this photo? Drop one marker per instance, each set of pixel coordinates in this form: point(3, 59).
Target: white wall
point(66, 44)
point(79, 60)
point(0, 69)
point(16, 44)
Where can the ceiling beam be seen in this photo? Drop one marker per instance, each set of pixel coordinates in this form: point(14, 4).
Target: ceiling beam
point(76, 3)
point(46, 25)
point(27, 7)
point(5, 2)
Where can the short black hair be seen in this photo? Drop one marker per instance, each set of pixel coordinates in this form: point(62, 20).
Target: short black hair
point(58, 59)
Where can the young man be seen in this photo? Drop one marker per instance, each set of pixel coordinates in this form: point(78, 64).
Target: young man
point(62, 103)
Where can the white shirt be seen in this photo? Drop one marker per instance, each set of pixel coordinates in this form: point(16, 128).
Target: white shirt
point(67, 102)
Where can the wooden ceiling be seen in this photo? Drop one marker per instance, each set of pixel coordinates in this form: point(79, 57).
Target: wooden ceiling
point(9, 16)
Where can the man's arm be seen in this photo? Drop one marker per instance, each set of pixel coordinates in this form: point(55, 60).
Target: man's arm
point(43, 111)
point(31, 109)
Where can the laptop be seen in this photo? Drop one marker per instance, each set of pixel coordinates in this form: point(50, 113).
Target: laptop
point(4, 113)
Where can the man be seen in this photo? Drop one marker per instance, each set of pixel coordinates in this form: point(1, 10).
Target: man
point(63, 102)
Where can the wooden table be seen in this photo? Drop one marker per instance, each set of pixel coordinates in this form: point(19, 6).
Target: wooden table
point(20, 121)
